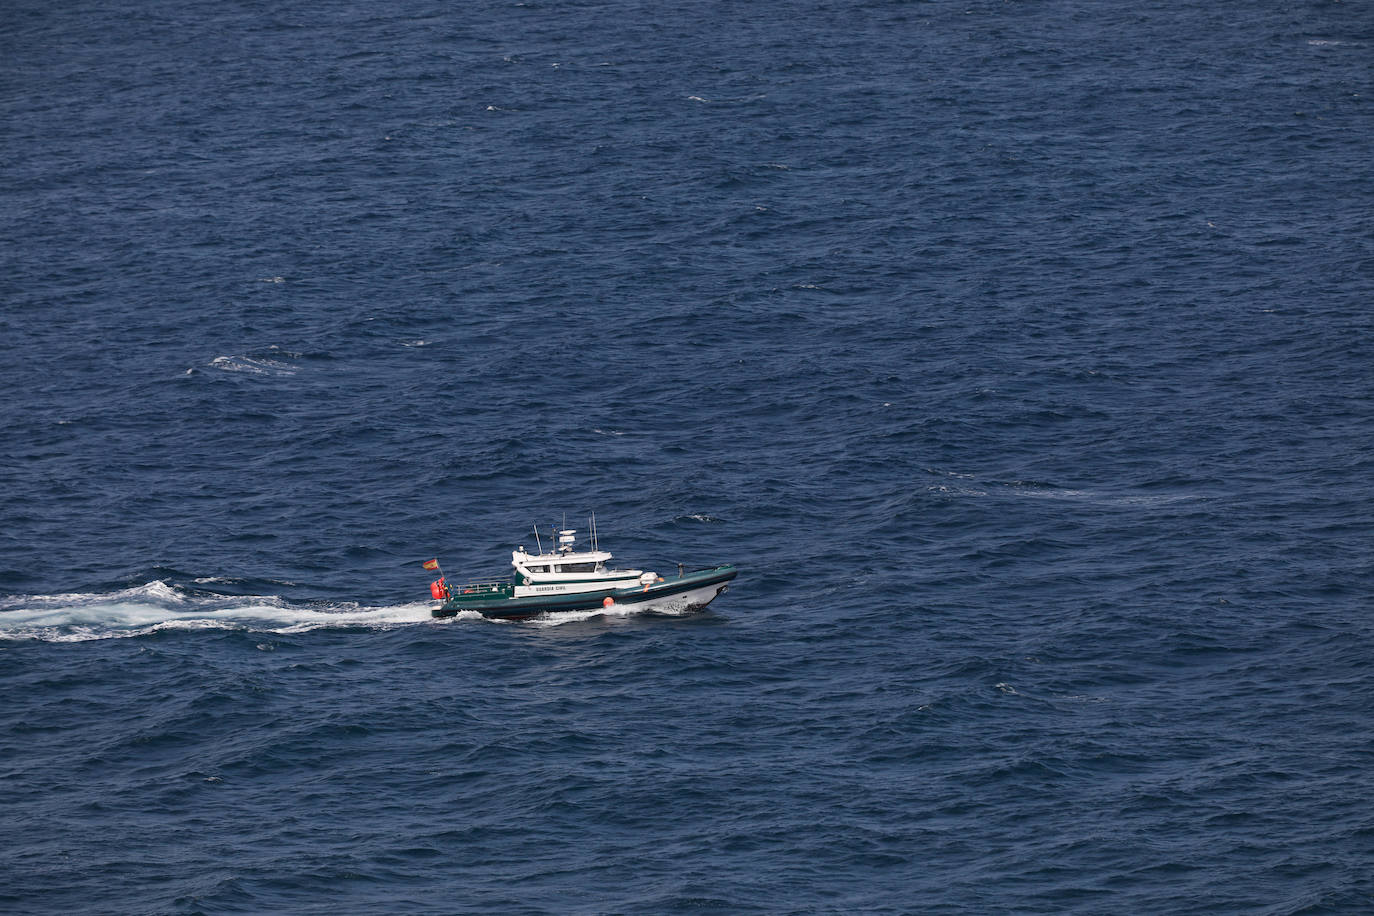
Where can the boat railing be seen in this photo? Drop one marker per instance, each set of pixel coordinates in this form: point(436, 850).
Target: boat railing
point(682, 571)
point(494, 586)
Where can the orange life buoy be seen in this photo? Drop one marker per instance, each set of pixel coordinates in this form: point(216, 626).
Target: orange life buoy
point(438, 589)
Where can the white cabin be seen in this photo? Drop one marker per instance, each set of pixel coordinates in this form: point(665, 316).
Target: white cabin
point(569, 571)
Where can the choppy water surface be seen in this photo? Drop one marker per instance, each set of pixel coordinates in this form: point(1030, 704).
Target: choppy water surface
point(1018, 353)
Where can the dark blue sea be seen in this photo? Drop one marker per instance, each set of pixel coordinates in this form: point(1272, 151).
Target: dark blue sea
point(1020, 353)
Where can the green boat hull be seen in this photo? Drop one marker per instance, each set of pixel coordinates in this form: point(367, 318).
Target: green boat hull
point(692, 589)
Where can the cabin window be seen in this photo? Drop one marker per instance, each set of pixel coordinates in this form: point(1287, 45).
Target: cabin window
point(533, 569)
point(577, 567)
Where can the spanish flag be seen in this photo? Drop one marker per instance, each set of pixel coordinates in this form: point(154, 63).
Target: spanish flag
point(432, 564)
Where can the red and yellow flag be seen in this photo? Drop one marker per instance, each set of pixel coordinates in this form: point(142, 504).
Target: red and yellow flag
point(432, 564)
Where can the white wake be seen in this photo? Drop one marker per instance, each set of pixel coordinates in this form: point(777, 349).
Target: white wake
point(144, 609)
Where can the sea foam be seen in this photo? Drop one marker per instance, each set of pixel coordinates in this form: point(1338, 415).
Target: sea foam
point(157, 606)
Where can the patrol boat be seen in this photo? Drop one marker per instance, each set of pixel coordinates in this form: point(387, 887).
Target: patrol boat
point(568, 579)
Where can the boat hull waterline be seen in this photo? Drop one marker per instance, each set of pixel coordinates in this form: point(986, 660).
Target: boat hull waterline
point(671, 595)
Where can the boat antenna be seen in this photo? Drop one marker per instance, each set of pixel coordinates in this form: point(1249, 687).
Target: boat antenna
point(536, 539)
point(592, 525)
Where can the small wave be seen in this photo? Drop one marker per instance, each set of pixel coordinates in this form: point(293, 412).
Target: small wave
point(1037, 490)
point(251, 365)
point(959, 474)
point(157, 606)
point(956, 491)
point(732, 100)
